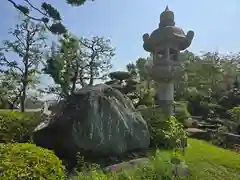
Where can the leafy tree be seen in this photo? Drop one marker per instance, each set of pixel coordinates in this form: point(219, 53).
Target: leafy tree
point(97, 54)
point(78, 62)
point(10, 90)
point(63, 64)
point(28, 44)
point(208, 73)
point(49, 15)
point(140, 65)
point(132, 69)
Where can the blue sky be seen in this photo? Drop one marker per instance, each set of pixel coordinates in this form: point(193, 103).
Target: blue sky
point(215, 23)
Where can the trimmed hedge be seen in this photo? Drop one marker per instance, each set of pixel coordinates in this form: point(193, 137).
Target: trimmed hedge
point(16, 126)
point(29, 162)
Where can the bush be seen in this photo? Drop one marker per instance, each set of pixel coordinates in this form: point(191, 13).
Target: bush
point(235, 117)
point(165, 132)
point(213, 110)
point(16, 126)
point(194, 98)
point(27, 161)
point(235, 113)
point(230, 98)
point(181, 111)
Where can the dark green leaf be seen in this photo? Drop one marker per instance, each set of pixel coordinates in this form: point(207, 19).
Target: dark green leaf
point(23, 9)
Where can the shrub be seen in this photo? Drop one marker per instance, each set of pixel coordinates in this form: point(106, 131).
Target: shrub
point(165, 132)
point(235, 113)
point(27, 161)
point(235, 117)
point(231, 98)
point(17, 126)
point(181, 111)
point(213, 110)
point(194, 98)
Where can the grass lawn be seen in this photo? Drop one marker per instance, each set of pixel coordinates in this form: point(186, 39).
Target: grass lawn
point(205, 162)
point(208, 162)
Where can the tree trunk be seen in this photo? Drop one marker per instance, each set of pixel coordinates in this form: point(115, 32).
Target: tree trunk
point(22, 101)
point(25, 78)
point(23, 96)
point(91, 76)
point(74, 79)
point(91, 70)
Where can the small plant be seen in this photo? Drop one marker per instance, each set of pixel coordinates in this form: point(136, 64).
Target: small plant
point(235, 114)
point(175, 134)
point(181, 111)
point(235, 117)
point(219, 138)
point(83, 167)
point(165, 132)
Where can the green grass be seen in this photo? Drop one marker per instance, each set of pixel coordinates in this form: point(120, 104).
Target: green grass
point(205, 162)
point(208, 162)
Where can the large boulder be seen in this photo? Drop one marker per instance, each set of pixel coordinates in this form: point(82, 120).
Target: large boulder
point(99, 120)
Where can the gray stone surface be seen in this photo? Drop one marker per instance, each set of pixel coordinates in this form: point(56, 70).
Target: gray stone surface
point(165, 44)
point(198, 134)
point(97, 119)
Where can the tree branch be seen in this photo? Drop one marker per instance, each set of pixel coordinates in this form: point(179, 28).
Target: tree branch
point(8, 63)
point(17, 7)
point(38, 10)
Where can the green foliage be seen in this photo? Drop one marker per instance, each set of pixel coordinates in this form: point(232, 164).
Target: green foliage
point(51, 11)
point(181, 111)
point(63, 62)
point(235, 113)
point(219, 137)
point(97, 55)
point(230, 98)
point(29, 162)
point(212, 110)
point(158, 168)
point(140, 65)
point(16, 126)
point(132, 69)
point(209, 74)
point(120, 75)
point(9, 90)
point(78, 62)
point(76, 2)
point(204, 161)
point(124, 82)
point(165, 132)
point(146, 98)
point(194, 98)
point(28, 43)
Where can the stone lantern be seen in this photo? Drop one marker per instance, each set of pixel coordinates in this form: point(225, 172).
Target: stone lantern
point(165, 44)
